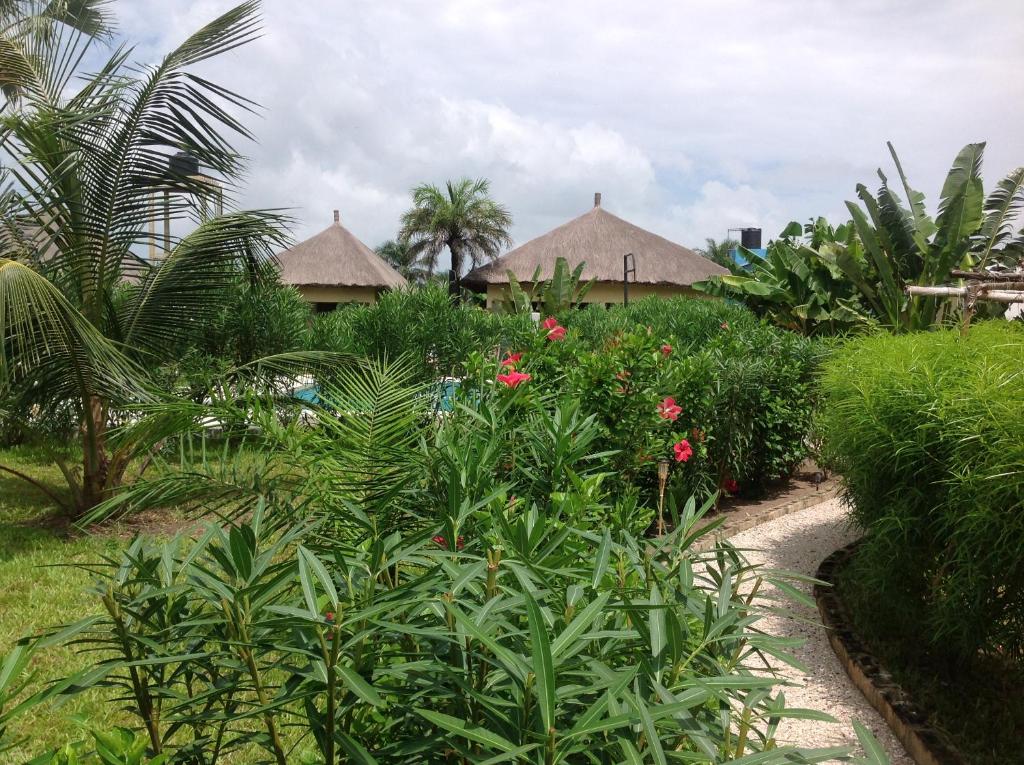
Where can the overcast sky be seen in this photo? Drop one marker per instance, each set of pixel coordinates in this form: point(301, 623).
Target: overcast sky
point(690, 116)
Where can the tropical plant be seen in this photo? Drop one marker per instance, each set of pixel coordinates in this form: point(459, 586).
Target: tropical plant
point(88, 164)
point(925, 432)
point(719, 252)
point(461, 218)
point(401, 256)
point(799, 284)
point(534, 643)
point(564, 290)
point(905, 246)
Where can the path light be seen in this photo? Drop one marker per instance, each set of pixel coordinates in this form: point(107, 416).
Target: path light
point(663, 466)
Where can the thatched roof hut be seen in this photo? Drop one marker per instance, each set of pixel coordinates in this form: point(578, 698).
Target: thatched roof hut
point(601, 239)
point(335, 267)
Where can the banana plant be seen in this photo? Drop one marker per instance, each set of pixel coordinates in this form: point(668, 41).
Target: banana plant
point(799, 283)
point(561, 292)
point(905, 246)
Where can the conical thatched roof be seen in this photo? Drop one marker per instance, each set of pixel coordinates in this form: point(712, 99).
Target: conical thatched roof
point(600, 239)
point(335, 258)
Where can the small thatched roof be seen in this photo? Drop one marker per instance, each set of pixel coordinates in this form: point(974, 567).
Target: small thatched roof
point(335, 258)
point(600, 239)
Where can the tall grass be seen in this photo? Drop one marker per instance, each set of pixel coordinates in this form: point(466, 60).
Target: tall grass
point(927, 430)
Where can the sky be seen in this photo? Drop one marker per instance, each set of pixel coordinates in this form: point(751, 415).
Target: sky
point(690, 116)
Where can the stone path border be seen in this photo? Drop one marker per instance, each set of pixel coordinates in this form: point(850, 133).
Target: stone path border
point(747, 517)
point(908, 722)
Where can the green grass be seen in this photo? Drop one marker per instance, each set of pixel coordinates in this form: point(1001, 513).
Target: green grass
point(979, 707)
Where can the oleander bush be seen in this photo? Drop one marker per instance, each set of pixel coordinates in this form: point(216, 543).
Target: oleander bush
point(390, 586)
point(927, 431)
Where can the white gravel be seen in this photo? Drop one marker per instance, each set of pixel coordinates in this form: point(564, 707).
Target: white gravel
point(798, 543)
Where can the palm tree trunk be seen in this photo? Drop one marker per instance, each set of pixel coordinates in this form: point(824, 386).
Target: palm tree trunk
point(94, 456)
point(455, 275)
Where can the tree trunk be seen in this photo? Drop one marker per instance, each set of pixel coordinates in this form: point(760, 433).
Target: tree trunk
point(455, 275)
point(94, 455)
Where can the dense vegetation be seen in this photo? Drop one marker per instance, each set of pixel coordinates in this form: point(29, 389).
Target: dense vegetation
point(392, 584)
point(926, 430)
point(817, 279)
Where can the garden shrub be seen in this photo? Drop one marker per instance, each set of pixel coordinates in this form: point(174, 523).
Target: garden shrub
point(927, 431)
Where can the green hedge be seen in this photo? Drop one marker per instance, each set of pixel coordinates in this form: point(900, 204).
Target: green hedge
point(928, 432)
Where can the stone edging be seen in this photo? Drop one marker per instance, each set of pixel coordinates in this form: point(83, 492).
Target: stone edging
point(829, 490)
point(908, 721)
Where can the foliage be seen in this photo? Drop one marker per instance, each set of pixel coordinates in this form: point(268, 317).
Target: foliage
point(405, 260)
point(564, 290)
point(462, 218)
point(719, 252)
point(925, 430)
point(495, 631)
point(743, 389)
point(864, 267)
point(436, 333)
point(799, 284)
point(88, 154)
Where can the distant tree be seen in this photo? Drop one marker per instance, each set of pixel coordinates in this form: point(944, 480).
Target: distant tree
point(462, 218)
point(718, 252)
point(401, 257)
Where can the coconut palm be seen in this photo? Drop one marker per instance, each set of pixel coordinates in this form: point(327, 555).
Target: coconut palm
point(403, 259)
point(462, 218)
point(88, 184)
point(719, 252)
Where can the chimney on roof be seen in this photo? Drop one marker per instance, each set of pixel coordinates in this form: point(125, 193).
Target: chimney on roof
point(597, 199)
point(337, 217)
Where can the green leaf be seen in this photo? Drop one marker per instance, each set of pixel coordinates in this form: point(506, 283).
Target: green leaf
point(473, 733)
point(874, 753)
point(543, 665)
point(355, 683)
point(309, 562)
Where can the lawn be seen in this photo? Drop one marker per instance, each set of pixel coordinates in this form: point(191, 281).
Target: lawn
point(40, 587)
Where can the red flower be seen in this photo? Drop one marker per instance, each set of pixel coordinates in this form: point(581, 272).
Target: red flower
point(731, 486)
point(668, 409)
point(440, 541)
point(666, 349)
point(557, 333)
point(683, 450)
point(512, 359)
point(512, 378)
point(329, 616)
point(549, 323)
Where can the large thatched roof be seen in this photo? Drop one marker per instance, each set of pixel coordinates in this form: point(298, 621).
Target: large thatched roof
point(600, 239)
point(335, 258)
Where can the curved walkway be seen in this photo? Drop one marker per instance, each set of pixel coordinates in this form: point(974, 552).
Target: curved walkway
point(798, 543)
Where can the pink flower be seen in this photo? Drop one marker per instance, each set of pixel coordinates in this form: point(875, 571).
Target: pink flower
point(512, 359)
point(555, 331)
point(683, 450)
point(669, 410)
point(513, 378)
point(558, 333)
point(666, 349)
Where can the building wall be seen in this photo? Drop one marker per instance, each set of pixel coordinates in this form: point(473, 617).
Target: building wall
point(605, 293)
point(330, 296)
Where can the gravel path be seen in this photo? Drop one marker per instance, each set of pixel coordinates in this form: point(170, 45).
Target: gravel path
point(798, 543)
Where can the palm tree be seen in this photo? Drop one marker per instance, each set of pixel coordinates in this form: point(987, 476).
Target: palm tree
point(88, 182)
point(718, 252)
point(462, 218)
point(401, 257)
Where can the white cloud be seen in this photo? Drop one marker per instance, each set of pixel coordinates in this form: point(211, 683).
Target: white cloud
point(690, 117)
